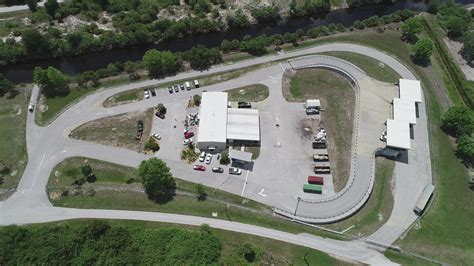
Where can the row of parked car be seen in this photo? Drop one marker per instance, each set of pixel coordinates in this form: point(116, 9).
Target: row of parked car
point(183, 86)
point(232, 170)
point(321, 161)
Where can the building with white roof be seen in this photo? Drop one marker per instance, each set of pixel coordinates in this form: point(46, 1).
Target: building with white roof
point(213, 121)
point(404, 110)
point(398, 134)
point(220, 125)
point(410, 90)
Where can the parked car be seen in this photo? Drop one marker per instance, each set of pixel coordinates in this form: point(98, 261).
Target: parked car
point(208, 158)
point(187, 141)
point(31, 107)
point(146, 93)
point(170, 89)
point(196, 83)
point(156, 136)
point(188, 134)
point(244, 105)
point(202, 156)
point(199, 168)
point(140, 125)
point(235, 171)
point(217, 169)
point(181, 86)
point(176, 88)
point(160, 115)
point(312, 111)
point(383, 137)
point(153, 92)
point(187, 85)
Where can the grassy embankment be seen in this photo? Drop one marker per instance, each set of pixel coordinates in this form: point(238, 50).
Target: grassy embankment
point(117, 187)
point(148, 240)
point(337, 101)
point(13, 111)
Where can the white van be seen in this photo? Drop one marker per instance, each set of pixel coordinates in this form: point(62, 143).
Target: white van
point(187, 85)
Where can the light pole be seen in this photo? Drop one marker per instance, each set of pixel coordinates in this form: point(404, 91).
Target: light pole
point(298, 203)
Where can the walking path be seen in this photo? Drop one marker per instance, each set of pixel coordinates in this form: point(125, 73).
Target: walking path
point(47, 146)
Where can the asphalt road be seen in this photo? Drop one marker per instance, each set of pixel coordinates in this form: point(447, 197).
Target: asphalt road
point(47, 146)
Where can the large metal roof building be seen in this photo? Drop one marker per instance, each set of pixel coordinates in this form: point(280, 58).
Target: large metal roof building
point(243, 124)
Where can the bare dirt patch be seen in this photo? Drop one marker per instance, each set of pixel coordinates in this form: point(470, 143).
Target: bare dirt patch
point(118, 131)
point(337, 101)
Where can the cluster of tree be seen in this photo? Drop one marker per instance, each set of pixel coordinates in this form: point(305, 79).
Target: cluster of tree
point(266, 14)
point(160, 63)
point(152, 145)
point(97, 242)
point(358, 3)
point(422, 50)
point(157, 180)
point(309, 7)
point(454, 17)
point(51, 81)
point(468, 46)
point(5, 85)
point(201, 57)
point(458, 121)
point(374, 21)
point(411, 27)
point(238, 19)
point(78, 179)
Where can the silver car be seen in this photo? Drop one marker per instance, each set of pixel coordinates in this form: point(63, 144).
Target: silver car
point(235, 171)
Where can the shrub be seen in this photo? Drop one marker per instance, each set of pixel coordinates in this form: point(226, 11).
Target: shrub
point(225, 160)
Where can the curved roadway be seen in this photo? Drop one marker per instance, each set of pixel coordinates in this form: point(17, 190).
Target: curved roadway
point(47, 146)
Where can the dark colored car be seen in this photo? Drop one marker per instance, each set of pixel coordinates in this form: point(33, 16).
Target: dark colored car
point(244, 105)
point(217, 169)
point(170, 89)
point(176, 88)
point(140, 125)
point(188, 134)
point(153, 92)
point(160, 115)
point(199, 168)
point(181, 86)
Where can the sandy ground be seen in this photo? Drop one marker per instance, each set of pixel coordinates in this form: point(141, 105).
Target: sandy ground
point(455, 48)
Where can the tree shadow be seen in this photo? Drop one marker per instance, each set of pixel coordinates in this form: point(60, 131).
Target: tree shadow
point(420, 61)
point(163, 198)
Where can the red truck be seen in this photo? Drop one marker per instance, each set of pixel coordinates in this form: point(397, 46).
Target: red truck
point(317, 180)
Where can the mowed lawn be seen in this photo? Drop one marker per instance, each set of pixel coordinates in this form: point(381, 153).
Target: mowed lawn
point(13, 111)
point(118, 187)
point(337, 102)
point(374, 68)
point(377, 209)
point(250, 93)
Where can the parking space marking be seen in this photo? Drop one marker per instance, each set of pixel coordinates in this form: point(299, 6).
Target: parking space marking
point(261, 193)
point(245, 183)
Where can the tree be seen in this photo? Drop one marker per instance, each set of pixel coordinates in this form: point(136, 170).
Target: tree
point(32, 5)
point(74, 174)
point(5, 85)
point(422, 51)
point(468, 46)
point(35, 44)
point(51, 7)
point(51, 81)
point(197, 99)
point(161, 108)
point(458, 120)
point(225, 160)
point(239, 19)
point(411, 27)
point(202, 195)
point(456, 26)
point(266, 14)
point(161, 63)
point(88, 174)
point(152, 145)
point(248, 252)
point(201, 57)
point(466, 148)
point(156, 179)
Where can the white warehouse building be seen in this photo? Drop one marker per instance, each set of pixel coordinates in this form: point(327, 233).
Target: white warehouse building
point(220, 125)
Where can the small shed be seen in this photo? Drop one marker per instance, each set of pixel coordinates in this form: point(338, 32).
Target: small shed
point(313, 104)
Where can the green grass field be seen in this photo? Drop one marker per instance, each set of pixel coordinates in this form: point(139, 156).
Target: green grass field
point(374, 68)
point(114, 193)
point(378, 208)
point(250, 93)
point(13, 113)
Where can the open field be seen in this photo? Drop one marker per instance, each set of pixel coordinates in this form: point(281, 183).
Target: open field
point(114, 193)
point(251, 93)
point(119, 130)
point(378, 208)
point(337, 103)
point(374, 68)
point(268, 251)
point(13, 111)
